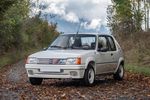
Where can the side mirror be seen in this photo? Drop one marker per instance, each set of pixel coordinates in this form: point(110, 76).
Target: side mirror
point(102, 49)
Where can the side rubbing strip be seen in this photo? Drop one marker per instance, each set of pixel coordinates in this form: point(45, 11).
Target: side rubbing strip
point(107, 62)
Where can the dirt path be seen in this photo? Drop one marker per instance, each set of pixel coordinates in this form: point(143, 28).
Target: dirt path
point(14, 85)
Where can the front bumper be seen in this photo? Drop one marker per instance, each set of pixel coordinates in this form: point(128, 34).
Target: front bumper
point(55, 71)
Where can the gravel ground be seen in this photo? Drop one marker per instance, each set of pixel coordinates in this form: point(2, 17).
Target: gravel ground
point(14, 85)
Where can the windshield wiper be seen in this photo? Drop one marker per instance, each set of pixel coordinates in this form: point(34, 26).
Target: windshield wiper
point(55, 46)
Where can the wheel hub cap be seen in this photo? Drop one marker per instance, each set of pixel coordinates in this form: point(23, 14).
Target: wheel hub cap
point(91, 76)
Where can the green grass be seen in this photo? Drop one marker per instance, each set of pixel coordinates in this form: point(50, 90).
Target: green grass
point(14, 56)
point(138, 69)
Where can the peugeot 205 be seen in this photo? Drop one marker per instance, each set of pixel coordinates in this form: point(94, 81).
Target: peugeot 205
point(77, 56)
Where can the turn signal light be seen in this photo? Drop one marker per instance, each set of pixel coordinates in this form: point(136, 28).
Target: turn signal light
point(78, 61)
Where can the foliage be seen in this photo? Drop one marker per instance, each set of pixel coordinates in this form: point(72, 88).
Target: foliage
point(126, 19)
point(38, 32)
point(122, 16)
point(11, 24)
point(136, 49)
point(18, 31)
point(127, 16)
point(4, 6)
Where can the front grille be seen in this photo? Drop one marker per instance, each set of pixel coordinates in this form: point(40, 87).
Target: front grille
point(48, 61)
point(44, 61)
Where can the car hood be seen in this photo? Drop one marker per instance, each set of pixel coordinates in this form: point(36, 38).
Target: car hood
point(61, 53)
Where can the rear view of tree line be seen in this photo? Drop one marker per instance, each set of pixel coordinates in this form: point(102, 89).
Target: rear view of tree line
point(129, 22)
point(129, 16)
point(18, 31)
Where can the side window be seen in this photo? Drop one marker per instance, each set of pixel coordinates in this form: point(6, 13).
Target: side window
point(112, 44)
point(102, 43)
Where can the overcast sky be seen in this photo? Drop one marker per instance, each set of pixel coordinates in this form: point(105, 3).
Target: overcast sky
point(72, 11)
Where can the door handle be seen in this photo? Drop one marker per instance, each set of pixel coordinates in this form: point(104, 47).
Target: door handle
point(111, 54)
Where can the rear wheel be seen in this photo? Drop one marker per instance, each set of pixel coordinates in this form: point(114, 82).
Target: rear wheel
point(89, 76)
point(35, 81)
point(120, 73)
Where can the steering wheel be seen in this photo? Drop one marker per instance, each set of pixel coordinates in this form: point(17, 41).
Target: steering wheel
point(86, 46)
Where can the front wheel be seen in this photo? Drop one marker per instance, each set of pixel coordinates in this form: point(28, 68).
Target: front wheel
point(35, 81)
point(120, 73)
point(89, 76)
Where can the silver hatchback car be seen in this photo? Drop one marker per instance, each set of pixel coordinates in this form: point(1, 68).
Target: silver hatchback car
point(77, 56)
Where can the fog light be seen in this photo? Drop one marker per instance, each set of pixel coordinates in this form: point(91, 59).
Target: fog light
point(30, 72)
point(73, 73)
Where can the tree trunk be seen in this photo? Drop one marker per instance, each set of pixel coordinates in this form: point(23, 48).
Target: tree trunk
point(148, 19)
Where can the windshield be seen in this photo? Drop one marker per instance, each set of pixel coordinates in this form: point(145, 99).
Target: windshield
point(72, 41)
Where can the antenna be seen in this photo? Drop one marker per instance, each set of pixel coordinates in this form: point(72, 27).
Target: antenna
point(81, 20)
point(77, 31)
point(78, 28)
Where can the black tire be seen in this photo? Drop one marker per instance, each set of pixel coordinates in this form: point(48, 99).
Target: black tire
point(120, 73)
point(35, 81)
point(89, 76)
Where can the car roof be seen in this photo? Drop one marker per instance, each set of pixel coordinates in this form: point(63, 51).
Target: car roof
point(88, 34)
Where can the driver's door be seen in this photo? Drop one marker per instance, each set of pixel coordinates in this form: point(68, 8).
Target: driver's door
point(103, 56)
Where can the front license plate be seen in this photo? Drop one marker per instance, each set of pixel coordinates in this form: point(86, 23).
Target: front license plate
point(50, 70)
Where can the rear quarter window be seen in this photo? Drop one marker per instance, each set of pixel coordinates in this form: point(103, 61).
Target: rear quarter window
point(112, 44)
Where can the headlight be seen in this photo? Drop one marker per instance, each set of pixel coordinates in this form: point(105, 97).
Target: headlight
point(73, 61)
point(32, 60)
point(70, 61)
point(62, 62)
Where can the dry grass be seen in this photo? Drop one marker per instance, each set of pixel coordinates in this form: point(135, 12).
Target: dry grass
point(137, 49)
